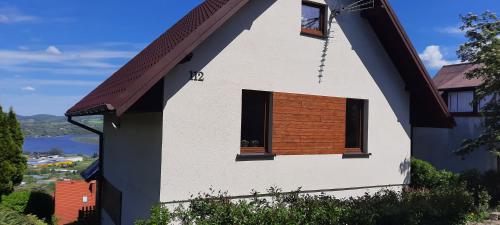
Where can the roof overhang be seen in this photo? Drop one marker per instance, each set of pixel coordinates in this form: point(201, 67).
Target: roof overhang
point(427, 107)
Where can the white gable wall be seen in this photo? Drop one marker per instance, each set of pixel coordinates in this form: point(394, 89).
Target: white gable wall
point(261, 48)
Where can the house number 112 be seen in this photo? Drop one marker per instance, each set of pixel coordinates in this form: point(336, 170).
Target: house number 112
point(196, 76)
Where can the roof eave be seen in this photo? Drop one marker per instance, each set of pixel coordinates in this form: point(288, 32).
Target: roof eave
point(97, 110)
point(391, 33)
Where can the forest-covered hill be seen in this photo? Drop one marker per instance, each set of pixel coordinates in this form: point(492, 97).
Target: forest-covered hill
point(50, 125)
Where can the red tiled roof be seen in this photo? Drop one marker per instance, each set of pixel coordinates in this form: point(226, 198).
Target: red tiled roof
point(453, 76)
point(133, 80)
point(69, 199)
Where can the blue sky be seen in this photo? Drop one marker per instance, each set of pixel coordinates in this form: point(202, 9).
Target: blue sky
point(53, 52)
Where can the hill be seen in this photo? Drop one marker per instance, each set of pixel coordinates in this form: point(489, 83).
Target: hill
point(50, 125)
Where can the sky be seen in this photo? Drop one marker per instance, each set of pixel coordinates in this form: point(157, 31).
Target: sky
point(54, 52)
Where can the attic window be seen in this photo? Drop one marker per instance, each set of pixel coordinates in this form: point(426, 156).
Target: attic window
point(313, 19)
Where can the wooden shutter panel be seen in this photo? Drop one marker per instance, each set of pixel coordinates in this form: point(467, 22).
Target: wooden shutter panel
point(307, 124)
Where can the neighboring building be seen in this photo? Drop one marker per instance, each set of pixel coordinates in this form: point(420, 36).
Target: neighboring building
point(71, 197)
point(436, 145)
point(238, 96)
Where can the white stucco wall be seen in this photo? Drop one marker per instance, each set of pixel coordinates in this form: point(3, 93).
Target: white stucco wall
point(436, 145)
point(132, 157)
point(261, 48)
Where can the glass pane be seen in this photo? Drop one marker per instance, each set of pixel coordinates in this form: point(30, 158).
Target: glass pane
point(485, 101)
point(354, 123)
point(452, 101)
point(254, 118)
point(311, 17)
point(464, 102)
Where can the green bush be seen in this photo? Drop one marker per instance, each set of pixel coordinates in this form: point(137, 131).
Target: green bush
point(11, 217)
point(17, 200)
point(424, 175)
point(411, 207)
point(481, 183)
point(36, 203)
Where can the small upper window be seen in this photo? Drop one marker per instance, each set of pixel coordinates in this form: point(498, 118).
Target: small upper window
point(313, 18)
point(460, 101)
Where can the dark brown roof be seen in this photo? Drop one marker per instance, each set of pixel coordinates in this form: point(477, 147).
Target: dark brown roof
point(132, 81)
point(453, 76)
point(119, 92)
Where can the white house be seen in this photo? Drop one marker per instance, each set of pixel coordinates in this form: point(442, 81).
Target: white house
point(437, 145)
point(243, 95)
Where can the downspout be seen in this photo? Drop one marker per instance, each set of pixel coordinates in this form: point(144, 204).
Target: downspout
point(101, 172)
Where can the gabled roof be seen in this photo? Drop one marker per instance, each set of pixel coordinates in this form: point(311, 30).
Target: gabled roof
point(131, 82)
point(126, 86)
point(453, 77)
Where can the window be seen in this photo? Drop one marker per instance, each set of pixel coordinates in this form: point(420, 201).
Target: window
point(354, 131)
point(460, 101)
point(313, 19)
point(254, 121)
point(486, 100)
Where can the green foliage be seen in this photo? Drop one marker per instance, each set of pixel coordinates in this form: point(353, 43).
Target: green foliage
point(50, 126)
point(483, 48)
point(11, 217)
point(411, 207)
point(485, 187)
point(17, 200)
point(12, 161)
point(35, 203)
point(424, 175)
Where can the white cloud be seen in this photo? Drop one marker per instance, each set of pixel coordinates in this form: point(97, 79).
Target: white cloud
point(53, 50)
point(28, 88)
point(433, 58)
point(10, 15)
point(29, 83)
point(450, 30)
point(71, 62)
point(34, 103)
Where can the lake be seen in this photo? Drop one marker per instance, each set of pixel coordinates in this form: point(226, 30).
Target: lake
point(65, 143)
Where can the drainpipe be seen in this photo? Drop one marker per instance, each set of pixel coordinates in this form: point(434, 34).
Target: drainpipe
point(101, 172)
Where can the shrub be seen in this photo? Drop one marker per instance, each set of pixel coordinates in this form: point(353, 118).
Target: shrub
point(16, 200)
point(424, 175)
point(39, 204)
point(12, 217)
point(440, 206)
point(412, 207)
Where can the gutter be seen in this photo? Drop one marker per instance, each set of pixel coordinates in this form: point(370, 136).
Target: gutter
point(100, 162)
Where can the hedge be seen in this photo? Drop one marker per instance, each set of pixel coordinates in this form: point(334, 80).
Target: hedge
point(411, 207)
point(435, 197)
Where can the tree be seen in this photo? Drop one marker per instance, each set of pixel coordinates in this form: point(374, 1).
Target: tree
point(12, 161)
point(15, 129)
point(483, 48)
point(18, 138)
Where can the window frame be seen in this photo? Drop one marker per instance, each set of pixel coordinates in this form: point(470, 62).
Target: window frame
point(322, 23)
point(266, 149)
point(362, 127)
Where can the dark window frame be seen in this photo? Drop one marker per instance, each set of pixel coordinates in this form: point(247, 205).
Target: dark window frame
point(323, 20)
point(265, 149)
point(360, 148)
